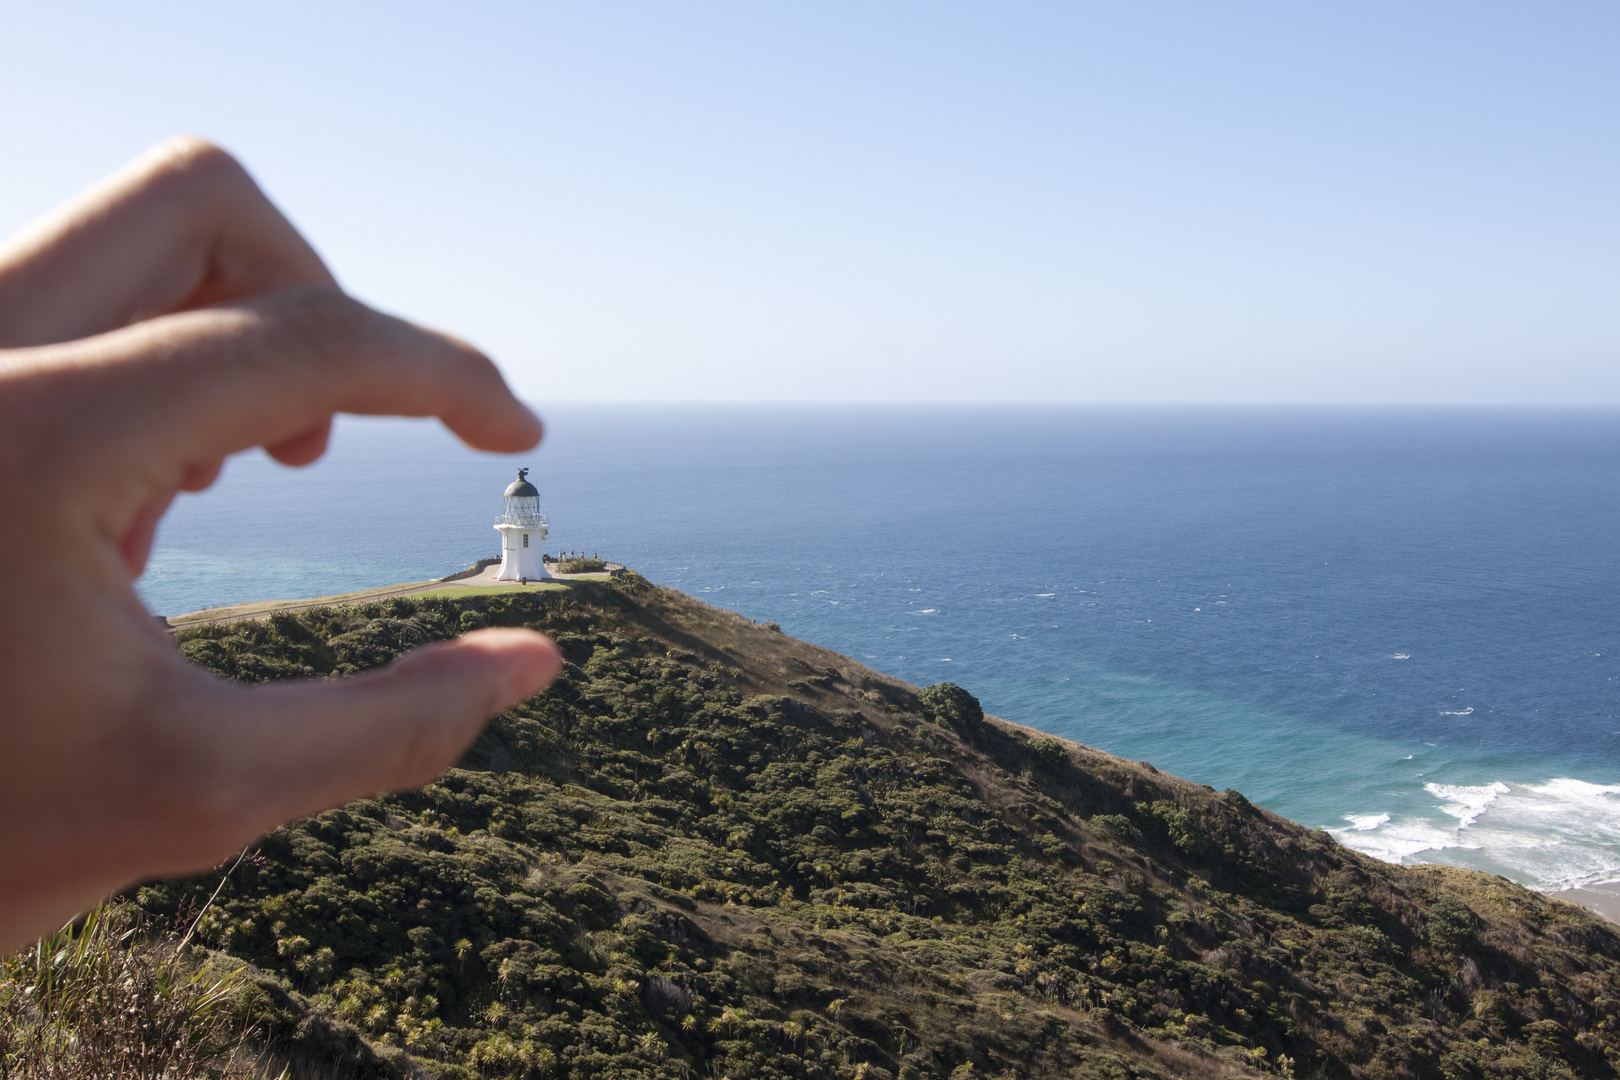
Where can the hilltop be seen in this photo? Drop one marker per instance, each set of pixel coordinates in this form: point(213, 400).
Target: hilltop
point(713, 850)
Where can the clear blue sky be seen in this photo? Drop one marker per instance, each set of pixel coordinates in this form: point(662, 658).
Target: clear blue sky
point(1367, 202)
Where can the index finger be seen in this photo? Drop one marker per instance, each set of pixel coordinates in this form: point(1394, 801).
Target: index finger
point(195, 387)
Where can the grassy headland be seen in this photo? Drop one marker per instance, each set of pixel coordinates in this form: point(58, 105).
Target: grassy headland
point(714, 850)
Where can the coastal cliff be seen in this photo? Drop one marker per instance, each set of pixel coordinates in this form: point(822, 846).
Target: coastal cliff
point(713, 850)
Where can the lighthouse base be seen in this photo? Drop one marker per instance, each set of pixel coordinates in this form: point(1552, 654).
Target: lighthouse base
point(520, 554)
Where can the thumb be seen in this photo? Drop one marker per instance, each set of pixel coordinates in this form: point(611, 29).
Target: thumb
point(309, 746)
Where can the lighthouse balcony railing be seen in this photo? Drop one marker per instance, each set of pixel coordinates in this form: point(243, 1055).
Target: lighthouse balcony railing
point(522, 521)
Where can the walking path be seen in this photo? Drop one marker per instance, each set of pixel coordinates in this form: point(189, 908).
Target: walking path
point(463, 584)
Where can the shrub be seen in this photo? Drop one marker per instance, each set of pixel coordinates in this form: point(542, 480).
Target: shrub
point(1450, 924)
point(581, 566)
point(950, 705)
point(1181, 826)
point(1118, 826)
point(1050, 752)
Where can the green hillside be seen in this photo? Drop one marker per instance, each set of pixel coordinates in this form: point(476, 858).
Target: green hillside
point(713, 850)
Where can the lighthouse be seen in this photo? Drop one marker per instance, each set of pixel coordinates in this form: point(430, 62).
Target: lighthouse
point(522, 529)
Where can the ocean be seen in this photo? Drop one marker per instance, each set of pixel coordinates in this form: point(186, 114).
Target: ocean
point(1401, 625)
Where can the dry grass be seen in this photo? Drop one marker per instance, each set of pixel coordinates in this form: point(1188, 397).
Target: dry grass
point(105, 998)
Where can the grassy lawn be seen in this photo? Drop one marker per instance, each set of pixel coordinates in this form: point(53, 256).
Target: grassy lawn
point(266, 607)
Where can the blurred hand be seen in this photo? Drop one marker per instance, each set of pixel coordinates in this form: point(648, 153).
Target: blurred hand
point(164, 320)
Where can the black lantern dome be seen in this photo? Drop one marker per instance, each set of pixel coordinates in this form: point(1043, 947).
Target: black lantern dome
point(522, 501)
point(521, 488)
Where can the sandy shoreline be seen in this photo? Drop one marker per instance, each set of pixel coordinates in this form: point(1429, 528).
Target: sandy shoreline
point(1603, 899)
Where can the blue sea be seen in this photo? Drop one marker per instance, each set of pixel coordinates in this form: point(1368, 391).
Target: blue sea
point(1400, 625)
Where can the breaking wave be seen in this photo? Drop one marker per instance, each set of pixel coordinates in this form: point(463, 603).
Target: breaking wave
point(1560, 834)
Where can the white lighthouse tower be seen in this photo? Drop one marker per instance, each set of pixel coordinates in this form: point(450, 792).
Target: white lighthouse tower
point(522, 529)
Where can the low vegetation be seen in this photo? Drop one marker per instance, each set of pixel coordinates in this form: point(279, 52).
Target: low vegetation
point(582, 565)
point(713, 850)
point(110, 996)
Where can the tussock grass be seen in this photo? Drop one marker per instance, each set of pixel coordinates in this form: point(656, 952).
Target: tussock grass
point(106, 997)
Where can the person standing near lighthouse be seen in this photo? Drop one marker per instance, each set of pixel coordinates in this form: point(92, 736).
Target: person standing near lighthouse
point(523, 529)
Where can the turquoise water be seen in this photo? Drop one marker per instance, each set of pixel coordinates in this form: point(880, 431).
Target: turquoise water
point(1396, 624)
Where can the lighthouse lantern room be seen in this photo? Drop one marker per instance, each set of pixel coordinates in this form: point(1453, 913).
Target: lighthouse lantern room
point(522, 528)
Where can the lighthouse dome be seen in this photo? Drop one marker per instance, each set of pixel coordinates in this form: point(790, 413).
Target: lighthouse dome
point(521, 488)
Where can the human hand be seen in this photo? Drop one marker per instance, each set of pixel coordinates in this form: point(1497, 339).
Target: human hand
point(169, 318)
